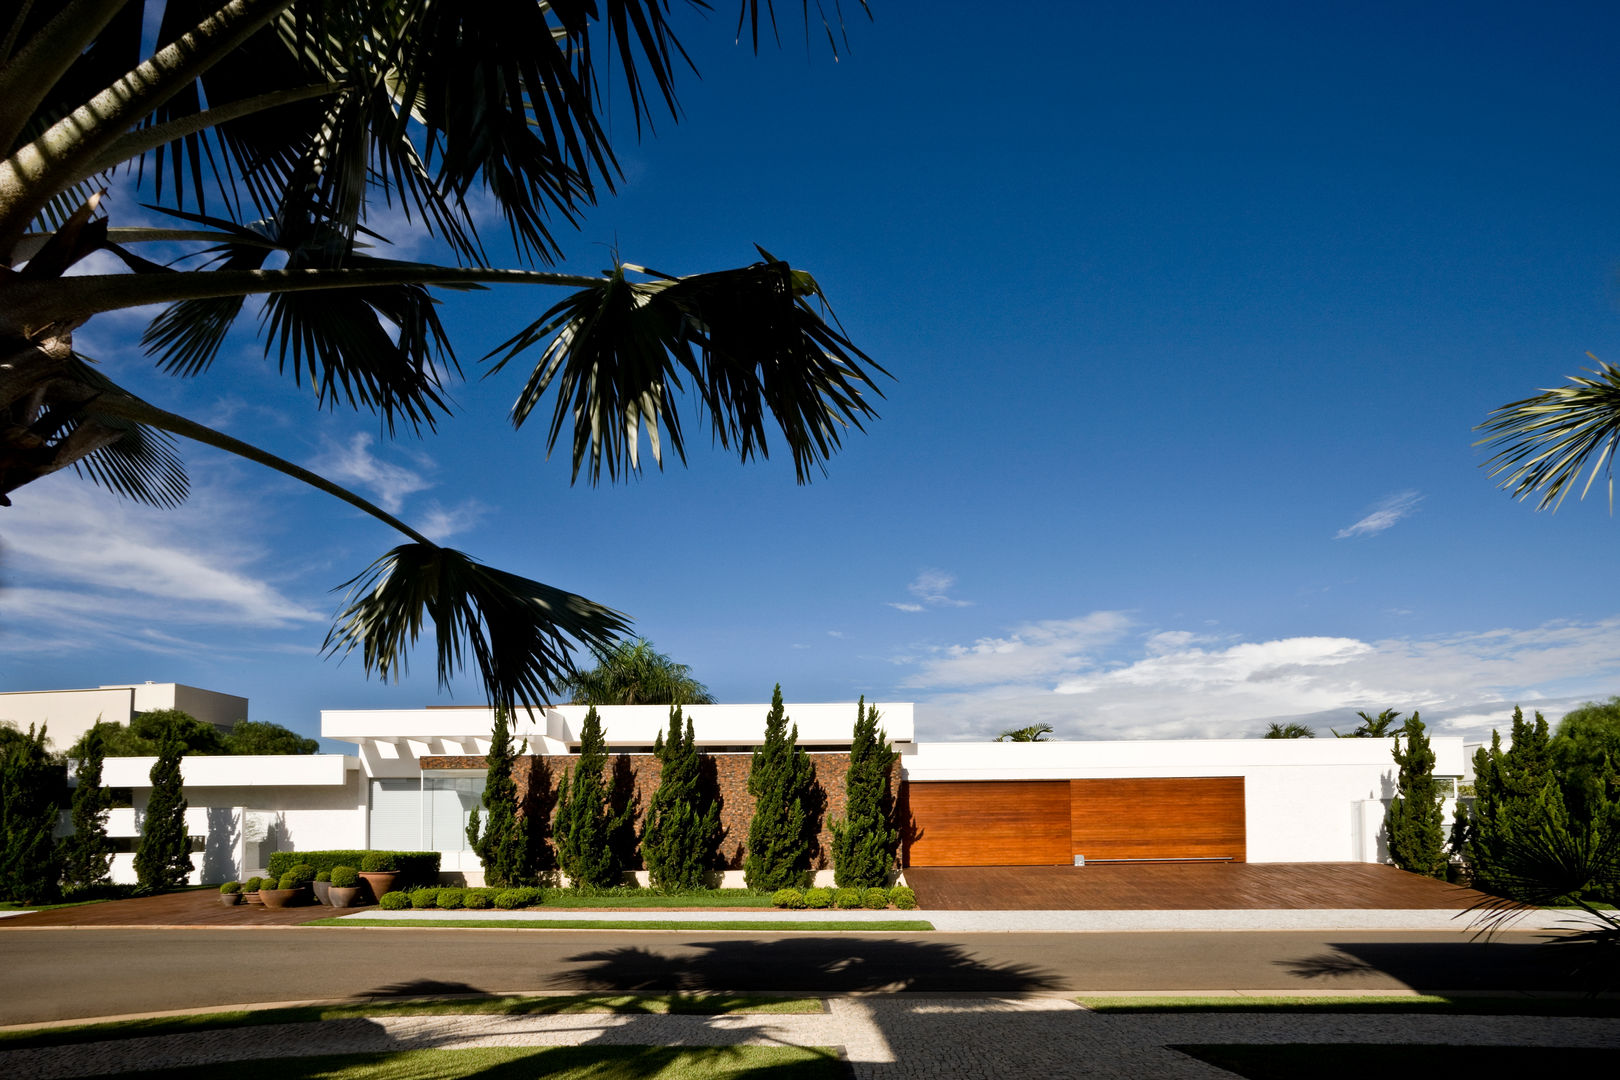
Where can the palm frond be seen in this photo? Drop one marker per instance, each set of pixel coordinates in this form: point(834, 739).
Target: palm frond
point(518, 633)
point(750, 340)
point(140, 464)
point(1543, 443)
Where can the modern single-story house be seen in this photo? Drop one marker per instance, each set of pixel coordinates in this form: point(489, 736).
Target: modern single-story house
point(416, 775)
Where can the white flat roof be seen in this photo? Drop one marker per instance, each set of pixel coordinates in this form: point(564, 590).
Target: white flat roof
point(259, 770)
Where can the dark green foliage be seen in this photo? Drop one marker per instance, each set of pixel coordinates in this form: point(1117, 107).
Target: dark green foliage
point(866, 841)
point(423, 899)
point(791, 899)
point(345, 877)
point(1415, 822)
point(875, 899)
point(1585, 755)
point(683, 827)
point(1288, 731)
point(86, 855)
point(256, 737)
point(503, 842)
point(300, 874)
point(30, 793)
point(414, 867)
point(1514, 797)
point(163, 860)
point(818, 898)
point(452, 899)
point(903, 898)
point(781, 780)
point(394, 901)
point(1372, 727)
point(585, 825)
point(847, 898)
point(230, 887)
point(476, 899)
point(379, 862)
point(145, 734)
point(253, 884)
point(634, 673)
point(1032, 733)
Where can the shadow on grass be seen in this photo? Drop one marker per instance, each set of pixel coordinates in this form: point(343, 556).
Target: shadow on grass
point(1474, 965)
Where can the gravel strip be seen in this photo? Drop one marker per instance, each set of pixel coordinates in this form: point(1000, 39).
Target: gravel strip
point(882, 1037)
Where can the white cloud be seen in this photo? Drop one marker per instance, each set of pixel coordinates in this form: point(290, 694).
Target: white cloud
point(1178, 685)
point(440, 523)
point(1386, 513)
point(932, 589)
point(835, 633)
point(389, 483)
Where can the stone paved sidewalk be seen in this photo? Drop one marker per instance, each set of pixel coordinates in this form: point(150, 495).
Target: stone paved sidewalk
point(882, 1037)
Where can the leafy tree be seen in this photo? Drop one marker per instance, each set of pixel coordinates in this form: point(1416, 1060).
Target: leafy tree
point(781, 780)
point(1372, 727)
point(866, 840)
point(1032, 733)
point(1515, 796)
point(86, 855)
point(1416, 821)
point(504, 845)
point(634, 673)
point(146, 732)
point(585, 824)
point(163, 859)
point(261, 737)
point(1288, 731)
point(1585, 756)
point(270, 127)
point(1543, 443)
point(683, 827)
point(30, 790)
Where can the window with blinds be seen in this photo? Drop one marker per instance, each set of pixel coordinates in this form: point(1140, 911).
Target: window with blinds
point(396, 815)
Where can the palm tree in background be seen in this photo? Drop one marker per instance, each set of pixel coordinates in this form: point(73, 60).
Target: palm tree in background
point(634, 673)
point(1288, 731)
point(269, 127)
point(1382, 726)
point(1032, 733)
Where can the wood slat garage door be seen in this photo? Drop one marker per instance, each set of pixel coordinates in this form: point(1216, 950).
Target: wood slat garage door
point(987, 823)
point(1160, 817)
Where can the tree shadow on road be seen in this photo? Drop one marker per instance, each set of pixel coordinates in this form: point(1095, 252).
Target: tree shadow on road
point(1474, 964)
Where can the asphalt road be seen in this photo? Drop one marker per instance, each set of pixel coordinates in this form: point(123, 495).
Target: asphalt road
point(60, 974)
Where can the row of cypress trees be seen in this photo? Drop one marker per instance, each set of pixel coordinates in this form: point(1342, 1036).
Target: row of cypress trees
point(681, 831)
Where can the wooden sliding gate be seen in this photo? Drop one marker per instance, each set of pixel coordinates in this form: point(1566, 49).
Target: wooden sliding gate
point(1049, 822)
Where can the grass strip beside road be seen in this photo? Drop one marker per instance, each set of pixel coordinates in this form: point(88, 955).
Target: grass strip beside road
point(1357, 1061)
point(887, 925)
point(527, 1062)
point(661, 1004)
point(1392, 1004)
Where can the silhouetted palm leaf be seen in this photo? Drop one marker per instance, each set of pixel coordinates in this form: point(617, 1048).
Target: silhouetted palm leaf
point(1543, 443)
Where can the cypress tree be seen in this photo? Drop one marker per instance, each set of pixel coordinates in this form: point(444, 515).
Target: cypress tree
point(678, 841)
point(780, 779)
point(503, 844)
point(865, 841)
point(584, 825)
point(86, 855)
point(163, 860)
point(1512, 790)
point(30, 785)
point(1415, 822)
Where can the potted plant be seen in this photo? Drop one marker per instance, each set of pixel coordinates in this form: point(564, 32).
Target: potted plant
point(379, 871)
point(285, 894)
point(344, 890)
point(323, 882)
point(250, 890)
point(230, 893)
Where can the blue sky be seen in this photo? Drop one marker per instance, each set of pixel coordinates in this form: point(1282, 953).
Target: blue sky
point(1191, 312)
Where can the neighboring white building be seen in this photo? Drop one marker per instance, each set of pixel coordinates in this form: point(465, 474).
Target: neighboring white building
point(68, 714)
point(1259, 800)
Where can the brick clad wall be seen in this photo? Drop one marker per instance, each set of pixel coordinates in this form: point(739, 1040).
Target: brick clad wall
point(635, 776)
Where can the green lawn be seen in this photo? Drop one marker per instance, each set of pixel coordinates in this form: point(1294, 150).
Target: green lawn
point(1357, 1061)
point(680, 1004)
point(526, 1063)
point(626, 924)
point(1411, 1003)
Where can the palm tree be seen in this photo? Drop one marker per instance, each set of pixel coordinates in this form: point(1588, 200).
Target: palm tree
point(1032, 733)
point(1543, 443)
point(268, 127)
point(1288, 731)
point(634, 673)
point(1381, 726)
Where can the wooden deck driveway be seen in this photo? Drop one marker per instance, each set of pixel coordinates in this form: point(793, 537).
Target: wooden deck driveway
point(197, 908)
point(1184, 886)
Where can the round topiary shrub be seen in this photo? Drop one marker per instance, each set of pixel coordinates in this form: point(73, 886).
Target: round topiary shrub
point(487, 893)
point(452, 899)
point(394, 901)
point(847, 898)
point(231, 887)
point(303, 873)
point(378, 862)
point(788, 898)
point(818, 898)
point(875, 899)
point(423, 898)
point(289, 880)
point(903, 898)
point(477, 900)
point(345, 877)
point(323, 875)
point(511, 898)
point(252, 884)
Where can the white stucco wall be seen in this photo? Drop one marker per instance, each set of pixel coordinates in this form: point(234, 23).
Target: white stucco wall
point(66, 714)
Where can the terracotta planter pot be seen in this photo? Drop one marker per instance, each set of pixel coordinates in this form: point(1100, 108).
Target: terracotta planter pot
point(230, 899)
point(378, 882)
point(321, 888)
point(251, 898)
point(342, 898)
point(279, 898)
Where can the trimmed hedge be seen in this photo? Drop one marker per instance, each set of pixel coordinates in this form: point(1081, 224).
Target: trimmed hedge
point(875, 899)
point(847, 898)
point(394, 901)
point(422, 899)
point(902, 897)
point(818, 898)
point(452, 899)
point(478, 900)
point(791, 899)
point(415, 867)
